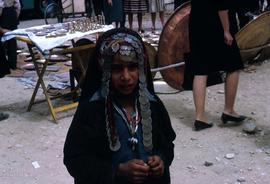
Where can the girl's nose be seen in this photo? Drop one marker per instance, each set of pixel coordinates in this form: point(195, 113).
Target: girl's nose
point(125, 74)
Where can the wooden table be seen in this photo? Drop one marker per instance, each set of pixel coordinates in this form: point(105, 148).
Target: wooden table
point(40, 73)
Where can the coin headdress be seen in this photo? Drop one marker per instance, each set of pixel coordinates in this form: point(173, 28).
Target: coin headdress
point(129, 48)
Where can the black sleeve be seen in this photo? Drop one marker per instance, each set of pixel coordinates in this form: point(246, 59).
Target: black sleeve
point(168, 132)
point(85, 154)
point(222, 4)
point(165, 137)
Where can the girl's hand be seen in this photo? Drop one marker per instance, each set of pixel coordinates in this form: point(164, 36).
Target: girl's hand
point(135, 171)
point(156, 166)
point(228, 39)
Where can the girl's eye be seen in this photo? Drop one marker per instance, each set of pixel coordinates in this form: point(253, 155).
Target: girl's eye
point(132, 66)
point(117, 67)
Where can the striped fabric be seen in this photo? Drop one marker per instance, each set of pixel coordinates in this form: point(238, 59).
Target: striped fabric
point(135, 6)
point(156, 6)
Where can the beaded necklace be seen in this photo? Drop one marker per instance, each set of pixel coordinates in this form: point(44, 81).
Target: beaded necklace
point(132, 123)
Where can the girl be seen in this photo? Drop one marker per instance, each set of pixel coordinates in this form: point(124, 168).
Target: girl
point(121, 132)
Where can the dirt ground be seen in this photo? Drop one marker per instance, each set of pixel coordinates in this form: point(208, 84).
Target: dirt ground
point(32, 146)
point(28, 137)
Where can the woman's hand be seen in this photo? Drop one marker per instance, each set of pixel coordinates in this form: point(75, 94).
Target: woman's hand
point(224, 18)
point(110, 2)
point(135, 171)
point(228, 39)
point(156, 166)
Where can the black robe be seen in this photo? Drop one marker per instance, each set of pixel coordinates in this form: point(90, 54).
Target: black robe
point(87, 155)
point(209, 53)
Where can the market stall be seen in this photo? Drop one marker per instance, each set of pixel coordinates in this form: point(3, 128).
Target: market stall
point(47, 37)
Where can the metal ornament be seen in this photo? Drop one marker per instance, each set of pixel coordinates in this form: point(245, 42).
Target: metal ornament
point(142, 78)
point(133, 141)
point(115, 47)
point(116, 146)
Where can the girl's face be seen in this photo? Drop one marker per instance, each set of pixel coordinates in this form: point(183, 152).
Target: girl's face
point(124, 76)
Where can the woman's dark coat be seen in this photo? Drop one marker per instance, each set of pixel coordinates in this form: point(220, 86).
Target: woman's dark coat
point(209, 53)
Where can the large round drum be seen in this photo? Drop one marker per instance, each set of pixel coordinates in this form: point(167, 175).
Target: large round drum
point(254, 38)
point(253, 41)
point(173, 44)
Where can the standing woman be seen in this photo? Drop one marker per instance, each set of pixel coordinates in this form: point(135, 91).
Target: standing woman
point(113, 11)
point(9, 19)
point(138, 7)
point(156, 6)
point(213, 48)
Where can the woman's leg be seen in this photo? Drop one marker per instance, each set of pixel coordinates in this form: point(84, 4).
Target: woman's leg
point(231, 85)
point(161, 16)
point(130, 20)
point(153, 18)
point(140, 21)
point(268, 5)
point(117, 24)
point(122, 23)
point(98, 7)
point(199, 92)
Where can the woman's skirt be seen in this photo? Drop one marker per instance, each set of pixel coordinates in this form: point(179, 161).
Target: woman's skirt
point(135, 6)
point(156, 6)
